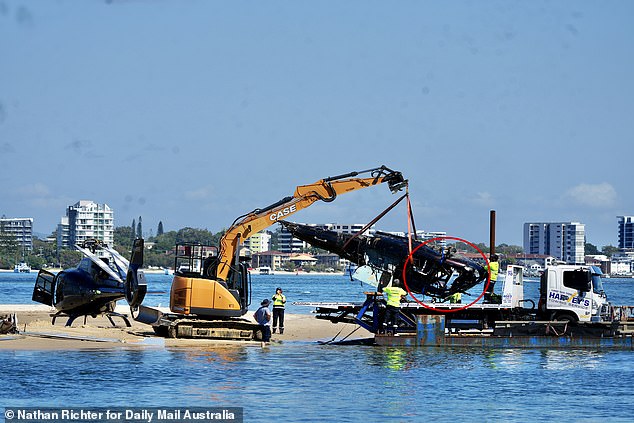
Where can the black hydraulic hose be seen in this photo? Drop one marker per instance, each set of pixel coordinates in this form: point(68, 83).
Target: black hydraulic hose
point(376, 172)
point(331, 191)
point(345, 175)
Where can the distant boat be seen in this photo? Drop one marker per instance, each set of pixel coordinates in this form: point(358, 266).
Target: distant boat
point(168, 271)
point(349, 269)
point(22, 268)
point(265, 270)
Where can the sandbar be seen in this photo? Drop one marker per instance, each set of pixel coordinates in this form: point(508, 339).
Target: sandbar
point(37, 332)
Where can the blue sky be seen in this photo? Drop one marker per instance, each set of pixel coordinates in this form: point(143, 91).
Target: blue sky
point(195, 112)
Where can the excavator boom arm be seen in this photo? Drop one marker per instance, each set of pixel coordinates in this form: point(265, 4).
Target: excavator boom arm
point(305, 195)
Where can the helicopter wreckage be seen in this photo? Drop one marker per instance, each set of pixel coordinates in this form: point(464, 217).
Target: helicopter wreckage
point(436, 272)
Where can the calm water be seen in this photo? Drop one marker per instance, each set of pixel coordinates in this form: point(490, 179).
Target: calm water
point(17, 288)
point(308, 382)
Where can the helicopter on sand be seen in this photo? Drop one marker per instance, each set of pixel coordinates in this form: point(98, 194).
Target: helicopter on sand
point(95, 285)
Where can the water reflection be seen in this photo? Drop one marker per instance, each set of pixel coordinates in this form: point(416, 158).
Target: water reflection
point(570, 359)
point(224, 357)
point(391, 358)
point(340, 383)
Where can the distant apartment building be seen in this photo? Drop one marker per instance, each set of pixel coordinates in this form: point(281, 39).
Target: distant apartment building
point(622, 263)
point(562, 240)
point(86, 220)
point(18, 229)
point(271, 259)
point(288, 244)
point(63, 233)
point(626, 233)
point(259, 242)
point(331, 260)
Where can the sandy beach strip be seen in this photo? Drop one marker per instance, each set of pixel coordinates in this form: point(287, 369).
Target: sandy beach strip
point(37, 332)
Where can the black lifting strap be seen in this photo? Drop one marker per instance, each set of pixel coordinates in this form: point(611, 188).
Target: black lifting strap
point(373, 221)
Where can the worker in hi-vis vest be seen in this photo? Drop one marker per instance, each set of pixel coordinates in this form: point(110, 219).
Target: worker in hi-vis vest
point(393, 295)
point(494, 268)
point(279, 300)
point(455, 298)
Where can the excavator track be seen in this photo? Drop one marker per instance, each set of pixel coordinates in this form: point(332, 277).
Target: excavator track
point(172, 325)
point(207, 329)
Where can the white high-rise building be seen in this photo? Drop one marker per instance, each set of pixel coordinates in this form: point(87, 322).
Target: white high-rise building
point(63, 237)
point(21, 229)
point(258, 243)
point(86, 220)
point(562, 240)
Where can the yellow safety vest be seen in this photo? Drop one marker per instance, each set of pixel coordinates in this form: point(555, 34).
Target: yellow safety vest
point(394, 295)
point(279, 300)
point(454, 298)
point(494, 267)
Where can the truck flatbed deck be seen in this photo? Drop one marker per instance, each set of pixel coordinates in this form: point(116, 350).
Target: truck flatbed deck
point(431, 331)
point(479, 325)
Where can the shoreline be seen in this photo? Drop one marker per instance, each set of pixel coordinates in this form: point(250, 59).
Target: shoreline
point(37, 332)
point(253, 272)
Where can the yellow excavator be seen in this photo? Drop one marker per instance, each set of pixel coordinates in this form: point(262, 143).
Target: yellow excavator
point(211, 286)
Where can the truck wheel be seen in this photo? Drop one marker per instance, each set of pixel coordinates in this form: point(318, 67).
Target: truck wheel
point(565, 317)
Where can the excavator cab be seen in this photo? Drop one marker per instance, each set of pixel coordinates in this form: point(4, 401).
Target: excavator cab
point(197, 291)
point(194, 259)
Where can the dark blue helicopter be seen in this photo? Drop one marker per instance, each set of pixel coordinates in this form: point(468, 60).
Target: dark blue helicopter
point(436, 272)
point(100, 279)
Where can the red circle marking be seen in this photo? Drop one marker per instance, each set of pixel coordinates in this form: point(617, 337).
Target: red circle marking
point(453, 310)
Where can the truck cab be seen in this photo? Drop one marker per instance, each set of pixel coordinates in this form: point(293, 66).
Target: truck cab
point(573, 293)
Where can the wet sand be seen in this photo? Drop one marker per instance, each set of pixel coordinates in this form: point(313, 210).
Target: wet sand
point(37, 332)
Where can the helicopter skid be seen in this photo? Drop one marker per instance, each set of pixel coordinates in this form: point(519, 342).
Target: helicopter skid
point(72, 317)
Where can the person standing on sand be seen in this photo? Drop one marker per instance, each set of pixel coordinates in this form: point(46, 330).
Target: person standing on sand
point(279, 301)
point(263, 317)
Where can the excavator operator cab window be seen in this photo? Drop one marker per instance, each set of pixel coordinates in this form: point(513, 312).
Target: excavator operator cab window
point(196, 260)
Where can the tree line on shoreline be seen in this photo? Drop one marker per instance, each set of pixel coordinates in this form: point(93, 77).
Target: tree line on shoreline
point(161, 246)
point(46, 254)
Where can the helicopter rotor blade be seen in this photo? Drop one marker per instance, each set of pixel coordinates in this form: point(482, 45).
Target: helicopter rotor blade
point(103, 266)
